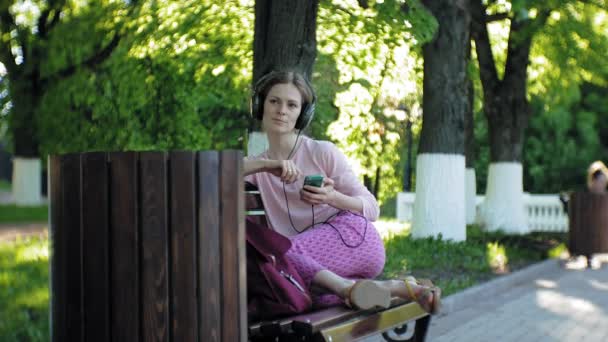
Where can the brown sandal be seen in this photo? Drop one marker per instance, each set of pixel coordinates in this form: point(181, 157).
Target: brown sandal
point(366, 294)
point(430, 307)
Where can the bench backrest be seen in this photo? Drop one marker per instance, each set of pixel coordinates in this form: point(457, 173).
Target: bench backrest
point(147, 246)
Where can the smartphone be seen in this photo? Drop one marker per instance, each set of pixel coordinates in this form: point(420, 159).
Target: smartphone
point(314, 180)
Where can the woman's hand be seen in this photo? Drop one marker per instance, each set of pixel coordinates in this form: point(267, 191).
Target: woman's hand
point(319, 195)
point(284, 169)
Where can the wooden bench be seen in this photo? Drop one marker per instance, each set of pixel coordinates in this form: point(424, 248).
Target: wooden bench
point(402, 321)
point(147, 246)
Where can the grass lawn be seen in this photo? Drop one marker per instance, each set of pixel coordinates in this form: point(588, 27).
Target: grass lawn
point(453, 266)
point(10, 213)
point(24, 294)
point(5, 185)
point(456, 266)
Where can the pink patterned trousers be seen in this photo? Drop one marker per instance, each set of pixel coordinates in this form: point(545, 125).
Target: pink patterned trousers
point(344, 246)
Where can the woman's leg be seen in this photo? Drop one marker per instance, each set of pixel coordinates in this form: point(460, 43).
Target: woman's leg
point(331, 255)
point(324, 259)
point(349, 247)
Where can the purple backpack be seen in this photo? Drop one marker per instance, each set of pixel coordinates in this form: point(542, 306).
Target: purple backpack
point(274, 287)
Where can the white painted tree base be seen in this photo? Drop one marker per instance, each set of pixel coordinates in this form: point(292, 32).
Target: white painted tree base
point(440, 198)
point(503, 208)
point(26, 181)
point(470, 194)
point(257, 143)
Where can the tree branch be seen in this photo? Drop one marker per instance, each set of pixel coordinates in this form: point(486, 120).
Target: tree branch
point(603, 5)
point(99, 57)
point(7, 24)
point(363, 4)
point(485, 58)
point(50, 17)
point(497, 17)
point(519, 43)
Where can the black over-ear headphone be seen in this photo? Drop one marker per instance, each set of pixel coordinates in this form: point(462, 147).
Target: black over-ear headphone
point(257, 101)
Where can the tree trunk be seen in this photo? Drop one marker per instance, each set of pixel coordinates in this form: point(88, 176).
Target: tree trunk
point(440, 167)
point(469, 146)
point(506, 110)
point(25, 99)
point(285, 36)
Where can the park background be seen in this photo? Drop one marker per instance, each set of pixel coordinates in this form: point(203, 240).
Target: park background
point(528, 78)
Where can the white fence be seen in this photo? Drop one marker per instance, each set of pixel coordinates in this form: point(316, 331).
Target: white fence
point(545, 212)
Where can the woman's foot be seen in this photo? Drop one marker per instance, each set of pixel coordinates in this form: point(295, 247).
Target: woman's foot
point(366, 294)
point(361, 294)
point(427, 296)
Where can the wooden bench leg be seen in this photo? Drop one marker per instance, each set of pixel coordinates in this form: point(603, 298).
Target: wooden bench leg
point(419, 335)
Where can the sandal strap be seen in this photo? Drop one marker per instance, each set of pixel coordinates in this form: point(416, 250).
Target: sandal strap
point(410, 291)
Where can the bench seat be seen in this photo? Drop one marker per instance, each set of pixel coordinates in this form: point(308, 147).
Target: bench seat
point(343, 324)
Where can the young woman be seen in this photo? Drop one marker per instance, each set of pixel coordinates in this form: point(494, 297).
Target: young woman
point(335, 247)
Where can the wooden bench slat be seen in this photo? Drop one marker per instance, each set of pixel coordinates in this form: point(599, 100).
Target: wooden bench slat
point(56, 245)
point(209, 246)
point(154, 246)
point(72, 229)
point(232, 228)
point(95, 241)
point(124, 262)
point(184, 270)
point(373, 323)
point(312, 323)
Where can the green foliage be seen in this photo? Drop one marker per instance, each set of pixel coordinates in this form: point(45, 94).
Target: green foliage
point(10, 213)
point(24, 299)
point(179, 80)
point(373, 50)
point(567, 80)
point(562, 141)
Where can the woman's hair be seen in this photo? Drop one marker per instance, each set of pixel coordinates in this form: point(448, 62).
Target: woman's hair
point(285, 77)
point(594, 171)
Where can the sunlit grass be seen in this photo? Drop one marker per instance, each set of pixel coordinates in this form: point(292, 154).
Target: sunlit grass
point(32, 252)
point(24, 294)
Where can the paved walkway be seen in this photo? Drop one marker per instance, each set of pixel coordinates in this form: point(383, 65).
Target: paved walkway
point(9, 232)
point(562, 305)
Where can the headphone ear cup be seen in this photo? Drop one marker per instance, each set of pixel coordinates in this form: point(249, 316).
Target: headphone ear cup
point(306, 116)
point(257, 105)
point(256, 110)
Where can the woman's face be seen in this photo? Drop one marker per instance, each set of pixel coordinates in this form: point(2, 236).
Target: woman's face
point(598, 184)
point(282, 107)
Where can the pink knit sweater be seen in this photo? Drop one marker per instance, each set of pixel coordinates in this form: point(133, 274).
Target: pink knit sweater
point(312, 157)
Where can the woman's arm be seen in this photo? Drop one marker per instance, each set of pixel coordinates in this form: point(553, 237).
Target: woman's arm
point(284, 169)
point(251, 166)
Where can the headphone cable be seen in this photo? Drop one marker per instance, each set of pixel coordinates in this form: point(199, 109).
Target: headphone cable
point(312, 208)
